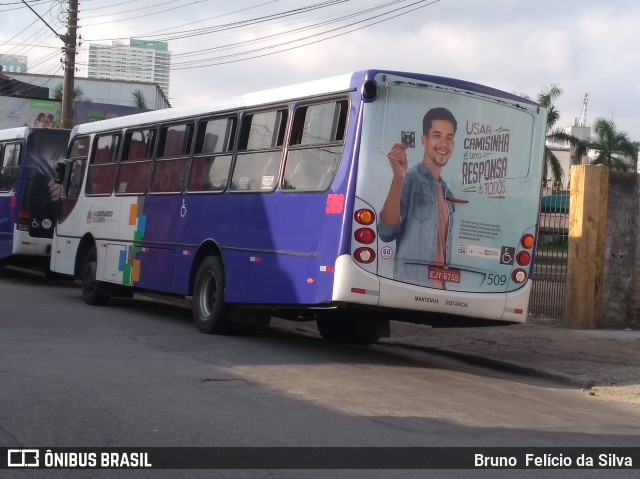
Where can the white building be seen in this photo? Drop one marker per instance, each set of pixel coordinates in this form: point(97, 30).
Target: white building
point(131, 60)
point(113, 92)
point(13, 63)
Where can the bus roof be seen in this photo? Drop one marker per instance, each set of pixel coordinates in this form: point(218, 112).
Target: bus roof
point(14, 133)
point(334, 84)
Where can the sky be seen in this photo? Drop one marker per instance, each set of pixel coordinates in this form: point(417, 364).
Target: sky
point(519, 46)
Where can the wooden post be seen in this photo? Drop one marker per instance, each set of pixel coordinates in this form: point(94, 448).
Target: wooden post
point(587, 228)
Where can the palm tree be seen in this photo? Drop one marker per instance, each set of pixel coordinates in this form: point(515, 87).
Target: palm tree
point(547, 98)
point(138, 99)
point(78, 93)
point(614, 148)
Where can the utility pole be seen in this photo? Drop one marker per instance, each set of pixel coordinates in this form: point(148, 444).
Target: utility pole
point(69, 49)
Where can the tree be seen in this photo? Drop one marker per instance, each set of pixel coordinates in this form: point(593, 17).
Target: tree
point(138, 99)
point(78, 93)
point(613, 148)
point(547, 98)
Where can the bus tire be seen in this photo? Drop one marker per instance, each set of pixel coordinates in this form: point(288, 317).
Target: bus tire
point(343, 329)
point(92, 289)
point(210, 313)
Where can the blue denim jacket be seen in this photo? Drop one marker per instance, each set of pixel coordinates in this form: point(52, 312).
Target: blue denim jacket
point(417, 233)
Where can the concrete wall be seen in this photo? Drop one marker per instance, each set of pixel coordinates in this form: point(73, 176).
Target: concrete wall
point(620, 290)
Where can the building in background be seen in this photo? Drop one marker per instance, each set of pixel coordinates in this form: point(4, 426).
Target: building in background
point(24, 97)
point(13, 63)
point(131, 60)
point(9, 86)
point(113, 92)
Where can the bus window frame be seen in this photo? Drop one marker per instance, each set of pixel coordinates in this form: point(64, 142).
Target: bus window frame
point(115, 164)
point(231, 143)
point(280, 144)
point(16, 167)
point(184, 159)
point(148, 160)
point(335, 144)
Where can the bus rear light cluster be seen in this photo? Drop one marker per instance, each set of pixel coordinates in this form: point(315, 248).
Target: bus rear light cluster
point(24, 219)
point(523, 258)
point(366, 236)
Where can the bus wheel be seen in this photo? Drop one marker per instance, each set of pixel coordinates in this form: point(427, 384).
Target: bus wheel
point(343, 329)
point(92, 290)
point(210, 313)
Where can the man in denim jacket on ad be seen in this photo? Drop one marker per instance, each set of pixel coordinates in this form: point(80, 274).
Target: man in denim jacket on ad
point(416, 212)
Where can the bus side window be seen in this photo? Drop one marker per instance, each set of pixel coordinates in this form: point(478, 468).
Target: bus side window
point(259, 155)
point(211, 163)
point(315, 147)
point(103, 165)
point(170, 169)
point(135, 165)
point(9, 165)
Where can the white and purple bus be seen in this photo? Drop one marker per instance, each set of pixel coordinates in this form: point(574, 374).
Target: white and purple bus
point(272, 203)
point(27, 215)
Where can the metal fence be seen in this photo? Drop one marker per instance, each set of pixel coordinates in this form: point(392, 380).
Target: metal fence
point(550, 264)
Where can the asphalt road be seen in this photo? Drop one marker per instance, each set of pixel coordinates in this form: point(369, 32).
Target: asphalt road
point(138, 374)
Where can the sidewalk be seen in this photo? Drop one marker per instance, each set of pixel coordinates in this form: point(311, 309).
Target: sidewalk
point(539, 347)
point(603, 362)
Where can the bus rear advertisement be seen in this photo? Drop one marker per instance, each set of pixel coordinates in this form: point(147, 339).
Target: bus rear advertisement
point(350, 200)
point(27, 215)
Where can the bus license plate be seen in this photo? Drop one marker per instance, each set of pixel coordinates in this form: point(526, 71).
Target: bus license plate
point(445, 275)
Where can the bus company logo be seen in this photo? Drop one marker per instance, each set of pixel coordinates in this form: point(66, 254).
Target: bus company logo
point(23, 458)
point(99, 216)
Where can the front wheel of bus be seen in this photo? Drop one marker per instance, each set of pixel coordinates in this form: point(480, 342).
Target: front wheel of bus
point(210, 313)
point(92, 289)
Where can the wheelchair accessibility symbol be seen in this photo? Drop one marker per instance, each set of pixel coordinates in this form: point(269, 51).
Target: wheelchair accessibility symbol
point(507, 255)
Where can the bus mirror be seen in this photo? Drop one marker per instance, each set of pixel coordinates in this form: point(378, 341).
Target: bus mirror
point(60, 170)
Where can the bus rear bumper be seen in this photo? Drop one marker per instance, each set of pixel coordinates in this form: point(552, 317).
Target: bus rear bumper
point(352, 284)
point(24, 244)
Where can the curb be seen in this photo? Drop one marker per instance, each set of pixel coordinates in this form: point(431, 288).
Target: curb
point(497, 364)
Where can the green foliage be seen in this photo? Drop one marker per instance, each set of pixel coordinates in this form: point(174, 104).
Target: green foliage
point(138, 99)
point(614, 148)
point(78, 93)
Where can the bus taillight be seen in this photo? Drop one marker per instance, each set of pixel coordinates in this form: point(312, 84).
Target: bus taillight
point(364, 255)
point(523, 258)
point(365, 235)
point(527, 241)
point(364, 217)
point(24, 219)
point(519, 276)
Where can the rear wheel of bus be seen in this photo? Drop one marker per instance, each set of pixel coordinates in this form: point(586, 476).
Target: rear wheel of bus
point(210, 313)
point(92, 289)
point(346, 326)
